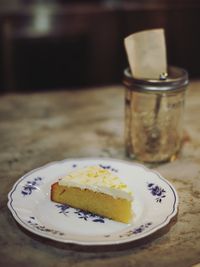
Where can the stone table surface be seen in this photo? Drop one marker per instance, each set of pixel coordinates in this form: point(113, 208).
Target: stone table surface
point(38, 128)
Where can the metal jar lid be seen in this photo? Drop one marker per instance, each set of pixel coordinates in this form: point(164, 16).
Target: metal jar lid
point(177, 79)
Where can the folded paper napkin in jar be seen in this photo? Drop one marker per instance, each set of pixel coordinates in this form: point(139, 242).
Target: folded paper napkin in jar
point(146, 52)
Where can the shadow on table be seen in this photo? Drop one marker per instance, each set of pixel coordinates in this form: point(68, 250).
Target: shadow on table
point(104, 248)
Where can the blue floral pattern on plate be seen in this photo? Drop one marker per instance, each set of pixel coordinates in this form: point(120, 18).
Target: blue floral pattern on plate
point(157, 191)
point(32, 221)
point(108, 167)
point(81, 214)
point(137, 230)
point(30, 186)
point(64, 209)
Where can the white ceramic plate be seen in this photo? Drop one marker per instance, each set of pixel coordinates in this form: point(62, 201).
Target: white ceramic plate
point(155, 203)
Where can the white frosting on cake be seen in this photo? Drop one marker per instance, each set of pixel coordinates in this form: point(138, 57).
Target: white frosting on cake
point(97, 179)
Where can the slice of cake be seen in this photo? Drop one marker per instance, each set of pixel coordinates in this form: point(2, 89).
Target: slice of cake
point(96, 190)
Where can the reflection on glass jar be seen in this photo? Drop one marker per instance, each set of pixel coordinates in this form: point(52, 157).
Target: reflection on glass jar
point(154, 116)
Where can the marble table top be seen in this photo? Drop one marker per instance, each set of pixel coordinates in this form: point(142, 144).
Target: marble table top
point(38, 128)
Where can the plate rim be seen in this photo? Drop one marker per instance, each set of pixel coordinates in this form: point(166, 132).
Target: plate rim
point(103, 242)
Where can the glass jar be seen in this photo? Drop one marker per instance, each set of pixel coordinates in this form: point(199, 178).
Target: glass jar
point(154, 115)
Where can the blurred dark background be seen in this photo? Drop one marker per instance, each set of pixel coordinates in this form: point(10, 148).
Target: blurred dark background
point(70, 44)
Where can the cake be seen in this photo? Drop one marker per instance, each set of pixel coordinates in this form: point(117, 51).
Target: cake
point(97, 190)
